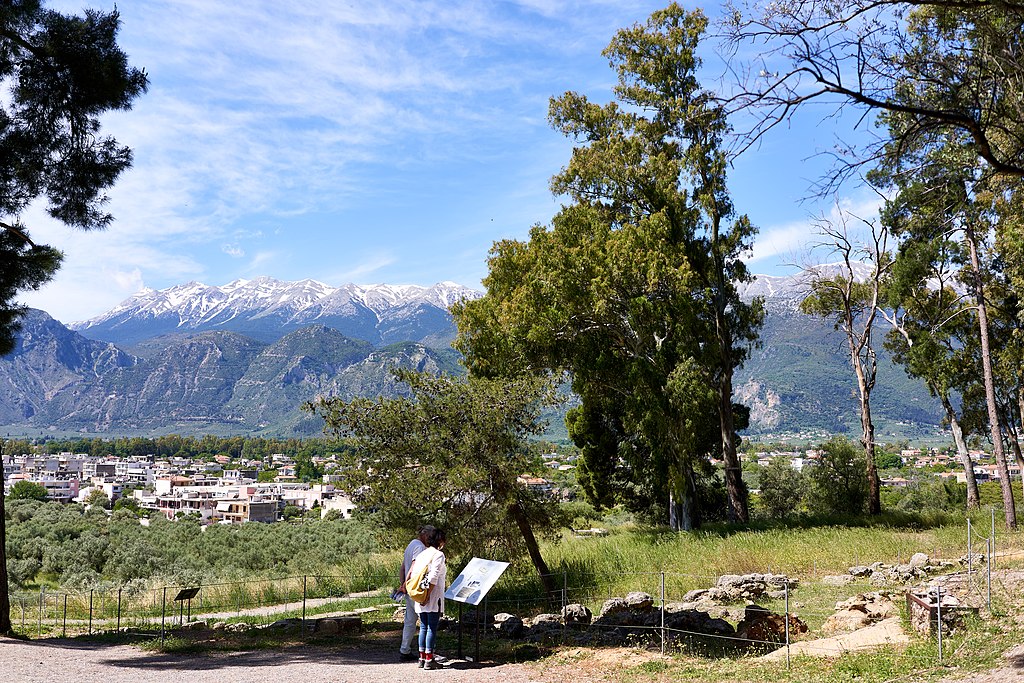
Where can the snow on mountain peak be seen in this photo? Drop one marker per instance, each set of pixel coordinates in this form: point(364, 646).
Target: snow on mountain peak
point(195, 304)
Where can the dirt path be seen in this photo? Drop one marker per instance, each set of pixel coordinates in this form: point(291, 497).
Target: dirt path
point(44, 661)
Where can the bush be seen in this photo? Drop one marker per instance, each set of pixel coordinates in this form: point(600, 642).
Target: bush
point(839, 480)
point(782, 488)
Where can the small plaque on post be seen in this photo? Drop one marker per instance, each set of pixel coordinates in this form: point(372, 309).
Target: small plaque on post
point(186, 594)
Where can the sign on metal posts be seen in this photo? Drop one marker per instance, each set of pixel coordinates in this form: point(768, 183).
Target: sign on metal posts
point(471, 587)
point(183, 595)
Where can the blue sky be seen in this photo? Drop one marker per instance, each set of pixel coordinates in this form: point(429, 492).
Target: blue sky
point(366, 142)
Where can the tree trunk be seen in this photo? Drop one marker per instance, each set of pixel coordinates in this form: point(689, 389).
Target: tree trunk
point(867, 439)
point(1014, 439)
point(1009, 511)
point(736, 490)
point(532, 547)
point(739, 510)
point(5, 601)
point(973, 497)
point(682, 515)
point(1020, 414)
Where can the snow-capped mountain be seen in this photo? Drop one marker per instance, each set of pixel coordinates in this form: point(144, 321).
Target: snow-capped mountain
point(266, 309)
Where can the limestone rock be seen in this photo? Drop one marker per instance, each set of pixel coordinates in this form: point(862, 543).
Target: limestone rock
point(694, 621)
point(762, 627)
point(839, 580)
point(859, 611)
point(508, 625)
point(545, 620)
point(578, 614)
point(919, 561)
point(612, 606)
point(638, 600)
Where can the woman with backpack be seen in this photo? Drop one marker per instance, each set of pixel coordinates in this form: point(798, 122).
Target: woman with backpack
point(432, 607)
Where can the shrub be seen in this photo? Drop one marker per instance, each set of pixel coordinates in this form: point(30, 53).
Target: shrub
point(782, 488)
point(839, 480)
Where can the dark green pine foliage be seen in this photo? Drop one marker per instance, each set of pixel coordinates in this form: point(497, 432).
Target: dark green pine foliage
point(62, 72)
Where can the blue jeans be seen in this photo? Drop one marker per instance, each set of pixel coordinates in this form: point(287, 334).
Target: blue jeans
point(428, 630)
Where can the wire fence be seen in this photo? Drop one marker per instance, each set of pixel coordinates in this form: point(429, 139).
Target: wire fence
point(660, 609)
point(148, 611)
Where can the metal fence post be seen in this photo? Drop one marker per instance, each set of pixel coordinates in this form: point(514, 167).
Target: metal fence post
point(90, 610)
point(163, 616)
point(39, 617)
point(119, 608)
point(938, 615)
point(565, 599)
point(992, 535)
point(303, 602)
point(988, 573)
point(64, 629)
point(663, 614)
point(969, 553)
point(786, 585)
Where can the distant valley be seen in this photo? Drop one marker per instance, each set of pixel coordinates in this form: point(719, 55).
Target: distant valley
point(242, 358)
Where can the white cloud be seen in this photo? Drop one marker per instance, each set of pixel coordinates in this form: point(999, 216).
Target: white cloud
point(798, 243)
point(267, 119)
point(780, 246)
point(360, 272)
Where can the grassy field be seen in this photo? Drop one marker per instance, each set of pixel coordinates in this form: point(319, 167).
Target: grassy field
point(634, 558)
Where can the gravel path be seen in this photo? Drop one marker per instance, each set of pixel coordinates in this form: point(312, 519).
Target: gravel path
point(44, 661)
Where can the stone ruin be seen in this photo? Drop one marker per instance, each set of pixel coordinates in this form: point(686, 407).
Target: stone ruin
point(881, 574)
point(923, 608)
point(636, 618)
point(863, 609)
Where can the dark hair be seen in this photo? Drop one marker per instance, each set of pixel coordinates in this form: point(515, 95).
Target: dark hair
point(436, 538)
point(424, 531)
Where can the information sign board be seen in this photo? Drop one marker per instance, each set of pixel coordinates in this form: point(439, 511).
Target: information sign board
point(475, 581)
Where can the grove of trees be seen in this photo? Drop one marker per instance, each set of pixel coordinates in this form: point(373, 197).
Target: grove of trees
point(632, 290)
point(79, 547)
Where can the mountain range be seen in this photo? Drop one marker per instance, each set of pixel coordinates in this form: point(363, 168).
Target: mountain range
point(265, 309)
point(242, 358)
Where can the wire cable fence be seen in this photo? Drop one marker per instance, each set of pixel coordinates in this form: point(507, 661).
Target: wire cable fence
point(130, 608)
point(674, 611)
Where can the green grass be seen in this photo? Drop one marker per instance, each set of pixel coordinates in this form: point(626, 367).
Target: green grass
point(633, 558)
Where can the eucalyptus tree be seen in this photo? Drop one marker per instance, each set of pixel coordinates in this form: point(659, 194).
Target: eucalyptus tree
point(943, 206)
point(852, 304)
point(934, 337)
point(632, 290)
point(949, 67)
point(60, 73)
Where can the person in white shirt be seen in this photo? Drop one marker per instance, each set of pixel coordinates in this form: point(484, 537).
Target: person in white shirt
point(414, 548)
point(430, 611)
